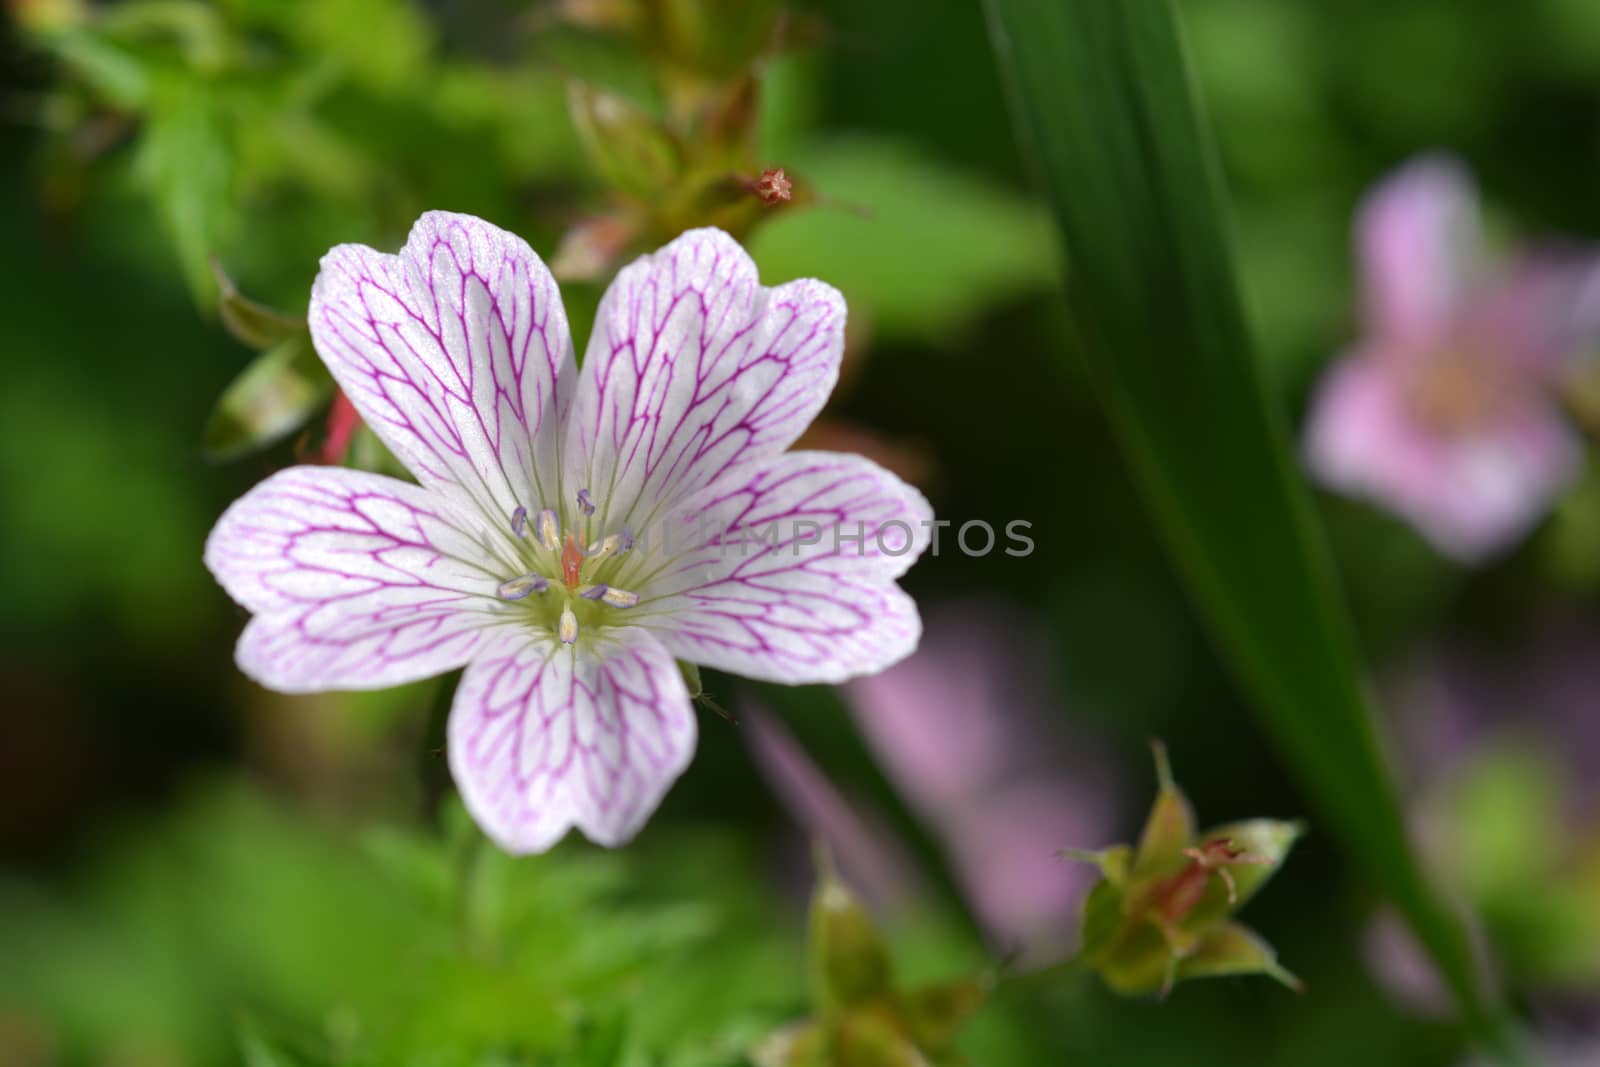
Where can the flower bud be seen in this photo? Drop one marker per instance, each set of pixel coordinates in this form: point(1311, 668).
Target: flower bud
point(849, 963)
point(632, 151)
point(270, 399)
point(1162, 911)
point(861, 1019)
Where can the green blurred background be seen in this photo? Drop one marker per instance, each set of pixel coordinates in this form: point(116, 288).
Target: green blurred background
point(198, 871)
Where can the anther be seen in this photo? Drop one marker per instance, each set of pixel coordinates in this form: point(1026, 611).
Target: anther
point(593, 592)
point(620, 598)
point(585, 502)
point(611, 545)
point(519, 522)
point(549, 529)
point(517, 588)
point(568, 630)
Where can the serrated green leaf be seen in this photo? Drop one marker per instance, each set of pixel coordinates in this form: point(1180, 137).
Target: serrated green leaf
point(1102, 93)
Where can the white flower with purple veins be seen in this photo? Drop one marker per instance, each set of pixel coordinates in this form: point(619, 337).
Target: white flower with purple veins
point(1446, 411)
point(573, 532)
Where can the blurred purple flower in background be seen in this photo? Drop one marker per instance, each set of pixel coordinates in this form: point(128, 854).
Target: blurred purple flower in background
point(963, 730)
point(1445, 411)
point(870, 857)
point(1501, 751)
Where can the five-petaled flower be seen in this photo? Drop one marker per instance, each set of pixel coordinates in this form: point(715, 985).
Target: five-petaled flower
point(1446, 411)
point(521, 554)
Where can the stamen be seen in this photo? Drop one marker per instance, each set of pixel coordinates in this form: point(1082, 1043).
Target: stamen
point(517, 588)
point(620, 598)
point(593, 592)
point(585, 502)
point(568, 631)
point(519, 522)
point(549, 529)
point(604, 549)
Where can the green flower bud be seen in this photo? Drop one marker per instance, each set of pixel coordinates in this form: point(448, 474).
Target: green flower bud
point(270, 399)
point(934, 1014)
point(861, 1019)
point(849, 962)
point(632, 151)
point(1162, 911)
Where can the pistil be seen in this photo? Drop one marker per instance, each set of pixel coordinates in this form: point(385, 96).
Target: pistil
point(575, 567)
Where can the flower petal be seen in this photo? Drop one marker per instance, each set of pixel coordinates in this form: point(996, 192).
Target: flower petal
point(1497, 487)
point(358, 581)
point(456, 352)
point(782, 588)
point(1472, 495)
point(545, 736)
point(693, 367)
point(1420, 245)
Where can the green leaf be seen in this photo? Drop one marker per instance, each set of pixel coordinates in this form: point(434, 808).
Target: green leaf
point(117, 74)
point(918, 249)
point(270, 399)
point(251, 322)
point(1102, 94)
point(187, 160)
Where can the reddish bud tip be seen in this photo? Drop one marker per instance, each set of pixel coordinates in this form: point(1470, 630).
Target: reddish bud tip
point(773, 187)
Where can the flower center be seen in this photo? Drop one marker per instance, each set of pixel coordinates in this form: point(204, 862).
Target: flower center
point(575, 578)
point(1458, 391)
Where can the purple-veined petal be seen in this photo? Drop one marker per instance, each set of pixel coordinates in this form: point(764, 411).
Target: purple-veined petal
point(456, 353)
point(1471, 494)
point(692, 368)
point(358, 581)
point(772, 594)
point(544, 737)
point(1419, 244)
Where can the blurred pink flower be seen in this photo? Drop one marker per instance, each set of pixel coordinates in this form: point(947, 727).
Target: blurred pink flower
point(962, 728)
point(1460, 697)
point(870, 857)
point(1444, 411)
point(1515, 729)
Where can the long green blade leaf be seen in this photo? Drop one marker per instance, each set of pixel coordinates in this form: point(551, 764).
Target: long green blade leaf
point(1101, 91)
